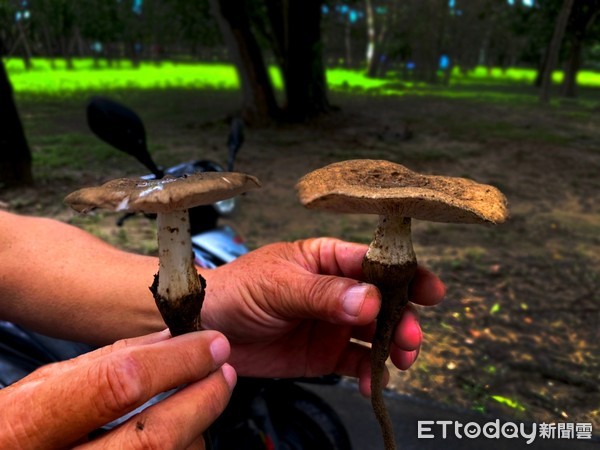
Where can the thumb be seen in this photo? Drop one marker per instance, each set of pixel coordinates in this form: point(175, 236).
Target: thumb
point(322, 283)
point(334, 299)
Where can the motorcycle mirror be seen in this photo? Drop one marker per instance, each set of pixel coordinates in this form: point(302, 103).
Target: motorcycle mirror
point(235, 140)
point(122, 128)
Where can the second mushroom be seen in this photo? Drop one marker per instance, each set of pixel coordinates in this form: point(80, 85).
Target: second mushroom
point(178, 289)
point(396, 194)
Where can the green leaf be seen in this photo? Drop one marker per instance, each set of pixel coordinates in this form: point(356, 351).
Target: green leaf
point(508, 402)
point(495, 308)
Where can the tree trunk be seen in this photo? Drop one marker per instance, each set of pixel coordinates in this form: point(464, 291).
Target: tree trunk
point(50, 51)
point(258, 97)
point(539, 76)
point(79, 44)
point(26, 48)
point(427, 47)
point(66, 52)
point(572, 66)
point(371, 38)
point(348, 44)
point(554, 49)
point(376, 36)
point(579, 30)
point(15, 157)
point(297, 30)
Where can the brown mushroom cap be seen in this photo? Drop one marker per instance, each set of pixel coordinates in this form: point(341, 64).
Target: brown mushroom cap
point(164, 195)
point(382, 187)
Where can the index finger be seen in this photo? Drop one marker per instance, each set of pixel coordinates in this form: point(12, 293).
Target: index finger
point(426, 289)
point(331, 256)
point(64, 407)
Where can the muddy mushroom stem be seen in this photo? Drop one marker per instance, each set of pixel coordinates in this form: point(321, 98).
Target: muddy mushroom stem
point(396, 194)
point(178, 289)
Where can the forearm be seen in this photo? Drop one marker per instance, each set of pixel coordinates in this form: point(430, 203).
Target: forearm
point(62, 281)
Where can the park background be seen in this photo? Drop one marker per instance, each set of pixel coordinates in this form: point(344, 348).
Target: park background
point(504, 92)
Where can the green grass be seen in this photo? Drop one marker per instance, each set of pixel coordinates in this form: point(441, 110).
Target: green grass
point(58, 80)
point(53, 78)
point(56, 84)
point(58, 151)
point(122, 75)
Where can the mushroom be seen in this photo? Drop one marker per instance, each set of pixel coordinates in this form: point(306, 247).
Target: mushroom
point(396, 194)
point(178, 289)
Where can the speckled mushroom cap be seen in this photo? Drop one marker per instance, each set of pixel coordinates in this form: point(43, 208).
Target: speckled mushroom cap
point(164, 195)
point(383, 187)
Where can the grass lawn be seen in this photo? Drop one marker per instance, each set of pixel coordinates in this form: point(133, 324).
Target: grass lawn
point(53, 78)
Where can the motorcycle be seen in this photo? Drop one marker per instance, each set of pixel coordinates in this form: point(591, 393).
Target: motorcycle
point(265, 414)
point(122, 128)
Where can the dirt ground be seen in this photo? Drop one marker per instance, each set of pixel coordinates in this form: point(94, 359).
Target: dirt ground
point(519, 331)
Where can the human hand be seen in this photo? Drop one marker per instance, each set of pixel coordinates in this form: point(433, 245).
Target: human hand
point(291, 310)
point(60, 404)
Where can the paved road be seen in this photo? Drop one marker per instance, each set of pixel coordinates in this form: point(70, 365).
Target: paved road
point(355, 411)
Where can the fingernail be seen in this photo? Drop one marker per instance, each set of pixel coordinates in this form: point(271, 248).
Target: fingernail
point(407, 359)
point(412, 336)
point(230, 375)
point(219, 349)
point(354, 299)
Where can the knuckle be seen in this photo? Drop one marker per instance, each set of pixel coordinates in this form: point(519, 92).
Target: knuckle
point(119, 345)
point(323, 288)
point(47, 371)
point(109, 349)
point(122, 383)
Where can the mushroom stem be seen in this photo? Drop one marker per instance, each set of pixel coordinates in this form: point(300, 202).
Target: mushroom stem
point(178, 289)
point(177, 274)
point(389, 264)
